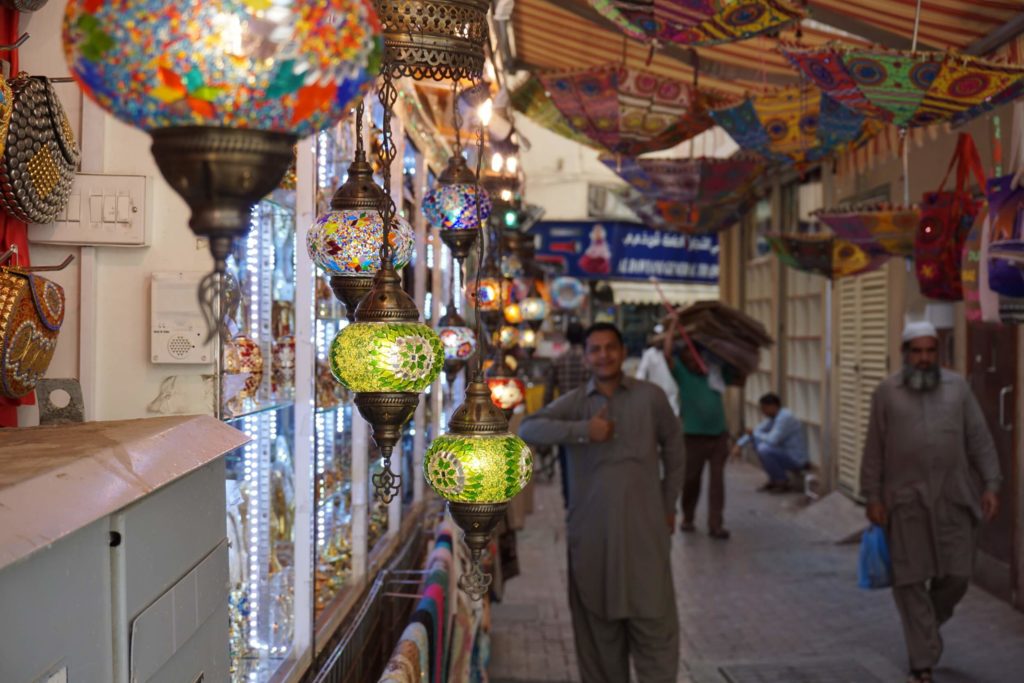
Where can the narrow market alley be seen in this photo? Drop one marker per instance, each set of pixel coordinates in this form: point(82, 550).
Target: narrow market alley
point(778, 603)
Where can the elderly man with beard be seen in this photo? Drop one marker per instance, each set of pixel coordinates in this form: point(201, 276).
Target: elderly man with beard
point(930, 474)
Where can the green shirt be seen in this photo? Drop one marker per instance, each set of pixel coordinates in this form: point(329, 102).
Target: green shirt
point(701, 406)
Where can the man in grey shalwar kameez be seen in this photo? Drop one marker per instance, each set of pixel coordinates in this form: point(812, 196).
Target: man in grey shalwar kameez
point(626, 465)
point(930, 474)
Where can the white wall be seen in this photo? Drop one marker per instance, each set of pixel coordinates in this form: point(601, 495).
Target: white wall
point(126, 381)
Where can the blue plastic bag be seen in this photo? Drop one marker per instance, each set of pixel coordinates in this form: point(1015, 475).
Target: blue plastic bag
point(875, 564)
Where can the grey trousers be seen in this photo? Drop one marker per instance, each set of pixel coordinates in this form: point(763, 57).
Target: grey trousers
point(924, 608)
point(604, 647)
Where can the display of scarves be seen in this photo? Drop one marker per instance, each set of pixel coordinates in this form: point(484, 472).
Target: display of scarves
point(697, 22)
point(909, 89)
point(824, 255)
point(630, 112)
point(879, 232)
point(794, 125)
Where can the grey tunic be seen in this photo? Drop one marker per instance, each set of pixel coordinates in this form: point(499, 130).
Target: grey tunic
point(927, 457)
point(619, 498)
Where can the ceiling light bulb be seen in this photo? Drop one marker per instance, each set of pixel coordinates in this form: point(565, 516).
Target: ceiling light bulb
point(497, 162)
point(485, 111)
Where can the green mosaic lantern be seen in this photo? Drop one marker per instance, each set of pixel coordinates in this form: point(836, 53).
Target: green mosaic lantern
point(478, 467)
point(385, 357)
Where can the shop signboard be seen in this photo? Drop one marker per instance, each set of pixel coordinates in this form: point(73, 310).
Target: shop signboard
point(610, 250)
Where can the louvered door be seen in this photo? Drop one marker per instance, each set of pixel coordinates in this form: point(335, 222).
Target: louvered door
point(862, 349)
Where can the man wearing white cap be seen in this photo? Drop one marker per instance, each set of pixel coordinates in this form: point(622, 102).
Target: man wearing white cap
point(930, 474)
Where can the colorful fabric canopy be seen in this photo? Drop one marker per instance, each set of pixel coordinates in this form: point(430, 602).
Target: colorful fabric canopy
point(531, 100)
point(697, 22)
point(630, 112)
point(824, 255)
point(704, 180)
point(794, 125)
point(686, 217)
point(909, 89)
point(879, 232)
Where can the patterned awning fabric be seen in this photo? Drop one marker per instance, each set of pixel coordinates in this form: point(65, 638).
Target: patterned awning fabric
point(685, 217)
point(531, 100)
point(697, 22)
point(882, 231)
point(794, 125)
point(910, 89)
point(628, 111)
point(701, 180)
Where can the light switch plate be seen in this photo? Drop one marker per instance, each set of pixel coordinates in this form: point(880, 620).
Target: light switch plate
point(103, 210)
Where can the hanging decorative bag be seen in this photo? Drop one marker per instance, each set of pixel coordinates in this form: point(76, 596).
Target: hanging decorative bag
point(31, 313)
point(946, 219)
point(24, 5)
point(1006, 215)
point(41, 156)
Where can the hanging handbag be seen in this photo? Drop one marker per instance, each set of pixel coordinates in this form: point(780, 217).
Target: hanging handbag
point(24, 5)
point(946, 219)
point(31, 313)
point(1006, 215)
point(39, 162)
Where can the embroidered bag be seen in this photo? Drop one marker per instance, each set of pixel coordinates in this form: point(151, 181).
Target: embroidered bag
point(946, 219)
point(1006, 215)
point(31, 313)
point(39, 162)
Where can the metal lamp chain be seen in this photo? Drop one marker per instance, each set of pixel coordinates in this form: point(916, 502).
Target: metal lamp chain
point(479, 374)
point(388, 96)
point(456, 118)
point(360, 113)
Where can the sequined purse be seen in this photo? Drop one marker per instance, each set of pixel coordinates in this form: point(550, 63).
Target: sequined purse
point(31, 313)
point(41, 156)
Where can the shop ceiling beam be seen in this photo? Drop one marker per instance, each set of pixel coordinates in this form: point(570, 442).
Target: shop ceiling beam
point(863, 29)
point(708, 65)
point(998, 37)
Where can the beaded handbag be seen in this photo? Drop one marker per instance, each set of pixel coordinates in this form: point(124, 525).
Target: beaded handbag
point(31, 313)
point(24, 5)
point(41, 156)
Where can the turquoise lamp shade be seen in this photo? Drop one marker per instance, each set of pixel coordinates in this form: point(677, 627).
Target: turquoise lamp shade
point(293, 68)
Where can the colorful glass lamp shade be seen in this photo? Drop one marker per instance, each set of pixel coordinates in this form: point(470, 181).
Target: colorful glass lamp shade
point(534, 309)
point(910, 89)
point(387, 358)
point(457, 206)
point(458, 341)
point(508, 336)
point(697, 23)
point(508, 392)
point(630, 112)
point(478, 467)
point(794, 125)
point(487, 299)
point(225, 89)
point(568, 293)
point(697, 181)
point(345, 241)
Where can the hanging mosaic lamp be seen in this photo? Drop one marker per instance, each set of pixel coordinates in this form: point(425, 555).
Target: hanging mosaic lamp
point(508, 392)
point(452, 207)
point(528, 340)
point(478, 467)
point(458, 340)
point(697, 181)
point(534, 309)
point(225, 89)
point(513, 314)
point(794, 125)
point(434, 39)
point(508, 337)
point(686, 22)
point(910, 89)
point(568, 293)
point(487, 298)
point(631, 112)
point(345, 241)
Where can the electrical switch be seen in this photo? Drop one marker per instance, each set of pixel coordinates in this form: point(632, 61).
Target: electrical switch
point(124, 208)
point(96, 208)
point(109, 208)
point(75, 208)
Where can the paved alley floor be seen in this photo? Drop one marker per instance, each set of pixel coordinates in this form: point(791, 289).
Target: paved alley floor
point(778, 603)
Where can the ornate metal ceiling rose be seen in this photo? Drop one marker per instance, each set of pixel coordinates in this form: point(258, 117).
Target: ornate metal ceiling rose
point(434, 39)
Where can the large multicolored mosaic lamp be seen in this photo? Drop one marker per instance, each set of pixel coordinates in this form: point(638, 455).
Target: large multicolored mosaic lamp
point(452, 207)
point(478, 467)
point(345, 241)
point(225, 89)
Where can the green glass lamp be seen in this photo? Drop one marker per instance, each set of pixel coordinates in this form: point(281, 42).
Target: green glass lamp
point(478, 467)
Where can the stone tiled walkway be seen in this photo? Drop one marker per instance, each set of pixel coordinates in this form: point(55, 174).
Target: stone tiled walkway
point(776, 604)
